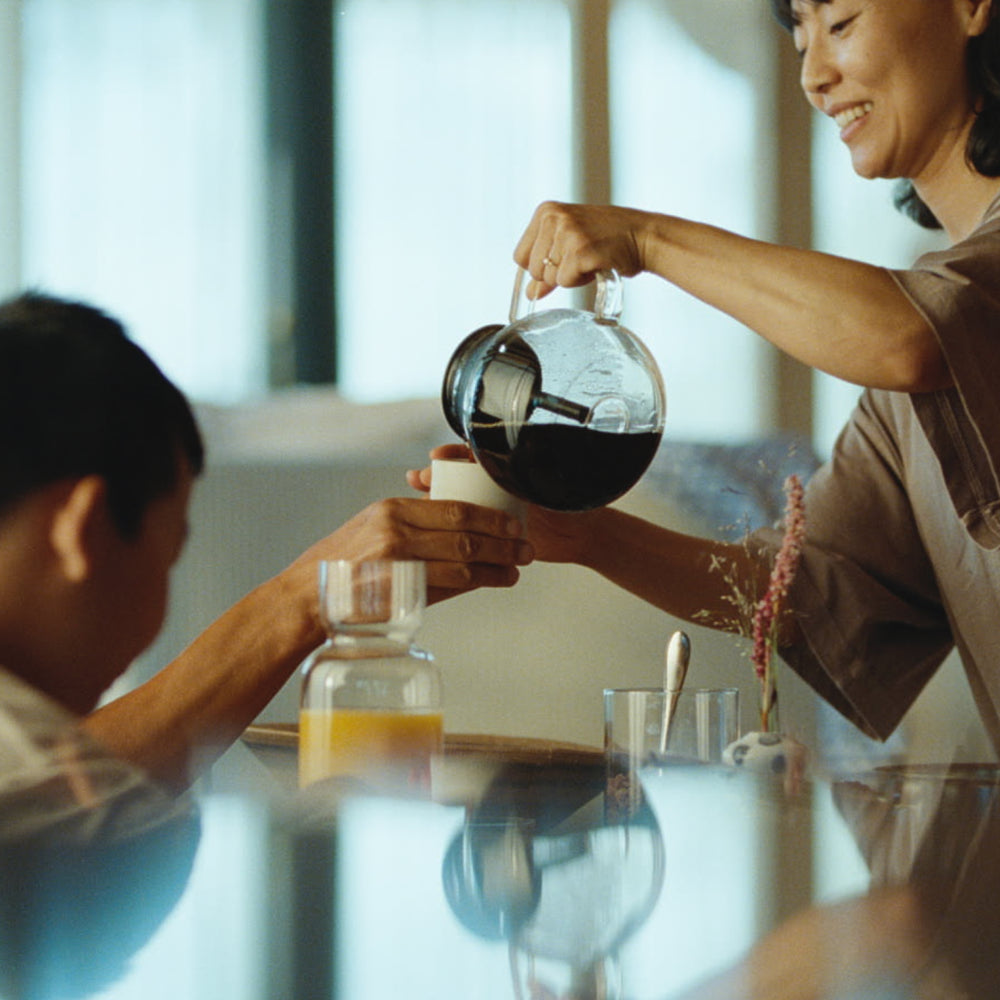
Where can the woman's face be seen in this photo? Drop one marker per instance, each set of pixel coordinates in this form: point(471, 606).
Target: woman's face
point(892, 76)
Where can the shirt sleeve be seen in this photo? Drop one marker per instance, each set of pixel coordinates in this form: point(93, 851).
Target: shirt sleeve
point(865, 597)
point(958, 292)
point(59, 783)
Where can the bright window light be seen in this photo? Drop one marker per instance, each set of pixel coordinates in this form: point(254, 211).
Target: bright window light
point(453, 122)
point(854, 218)
point(685, 125)
point(142, 176)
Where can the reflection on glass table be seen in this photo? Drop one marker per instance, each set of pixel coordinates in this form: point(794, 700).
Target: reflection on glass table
point(723, 886)
point(565, 897)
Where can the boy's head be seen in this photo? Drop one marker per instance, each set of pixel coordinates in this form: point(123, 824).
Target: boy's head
point(78, 398)
point(98, 451)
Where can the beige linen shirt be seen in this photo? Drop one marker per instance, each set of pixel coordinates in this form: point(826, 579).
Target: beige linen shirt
point(57, 782)
point(903, 524)
point(93, 854)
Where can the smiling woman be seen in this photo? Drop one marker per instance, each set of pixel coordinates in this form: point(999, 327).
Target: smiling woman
point(852, 38)
point(912, 490)
point(881, 72)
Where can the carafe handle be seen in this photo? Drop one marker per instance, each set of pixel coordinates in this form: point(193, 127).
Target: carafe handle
point(607, 298)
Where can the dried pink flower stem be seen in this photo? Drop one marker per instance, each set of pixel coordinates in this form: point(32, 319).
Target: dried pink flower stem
point(766, 616)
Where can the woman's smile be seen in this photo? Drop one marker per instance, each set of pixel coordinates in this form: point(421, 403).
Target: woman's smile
point(853, 113)
point(891, 75)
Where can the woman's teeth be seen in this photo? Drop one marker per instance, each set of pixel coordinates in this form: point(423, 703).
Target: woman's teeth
point(848, 115)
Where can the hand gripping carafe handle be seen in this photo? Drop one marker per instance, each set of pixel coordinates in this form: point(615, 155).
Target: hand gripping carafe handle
point(607, 298)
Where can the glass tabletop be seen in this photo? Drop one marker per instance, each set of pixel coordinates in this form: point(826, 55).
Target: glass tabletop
point(721, 884)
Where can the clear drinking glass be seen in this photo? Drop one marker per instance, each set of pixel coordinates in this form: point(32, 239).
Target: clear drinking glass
point(371, 704)
point(704, 722)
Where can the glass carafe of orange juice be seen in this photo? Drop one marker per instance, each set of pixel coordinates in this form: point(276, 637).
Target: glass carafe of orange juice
point(370, 710)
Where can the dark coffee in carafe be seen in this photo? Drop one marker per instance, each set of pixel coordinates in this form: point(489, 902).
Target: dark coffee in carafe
point(562, 408)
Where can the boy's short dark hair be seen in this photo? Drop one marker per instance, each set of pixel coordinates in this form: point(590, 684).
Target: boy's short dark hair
point(78, 398)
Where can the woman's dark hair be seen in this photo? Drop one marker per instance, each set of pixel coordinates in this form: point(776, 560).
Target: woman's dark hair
point(983, 148)
point(77, 398)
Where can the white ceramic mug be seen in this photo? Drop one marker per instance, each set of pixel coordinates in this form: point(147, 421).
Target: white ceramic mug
point(468, 481)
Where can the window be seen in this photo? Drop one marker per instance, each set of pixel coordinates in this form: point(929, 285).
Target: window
point(687, 125)
point(853, 218)
point(10, 175)
point(453, 121)
point(150, 181)
point(141, 176)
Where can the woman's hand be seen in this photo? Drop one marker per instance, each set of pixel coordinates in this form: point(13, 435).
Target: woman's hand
point(568, 244)
point(554, 536)
point(420, 479)
point(675, 572)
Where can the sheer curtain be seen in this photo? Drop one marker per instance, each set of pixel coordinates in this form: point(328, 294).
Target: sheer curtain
point(687, 124)
point(143, 184)
point(141, 166)
point(853, 218)
point(10, 144)
point(453, 122)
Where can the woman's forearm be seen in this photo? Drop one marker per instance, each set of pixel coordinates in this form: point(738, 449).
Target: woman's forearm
point(844, 317)
point(688, 577)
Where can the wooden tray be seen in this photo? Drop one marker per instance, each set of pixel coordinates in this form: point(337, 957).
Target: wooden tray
point(545, 777)
point(507, 749)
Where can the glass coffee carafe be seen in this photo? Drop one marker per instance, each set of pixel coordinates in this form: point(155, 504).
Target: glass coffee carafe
point(562, 407)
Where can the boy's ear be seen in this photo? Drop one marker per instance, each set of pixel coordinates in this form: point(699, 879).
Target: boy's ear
point(978, 16)
point(75, 527)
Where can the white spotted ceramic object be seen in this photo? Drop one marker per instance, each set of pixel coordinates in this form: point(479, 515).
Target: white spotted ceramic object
point(769, 753)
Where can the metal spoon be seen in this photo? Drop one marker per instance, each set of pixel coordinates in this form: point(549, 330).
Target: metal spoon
point(674, 672)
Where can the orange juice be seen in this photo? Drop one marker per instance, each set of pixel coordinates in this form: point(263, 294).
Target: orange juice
point(384, 748)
